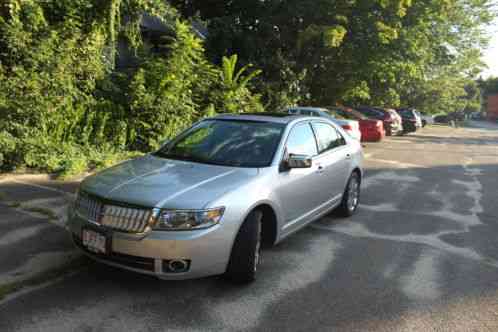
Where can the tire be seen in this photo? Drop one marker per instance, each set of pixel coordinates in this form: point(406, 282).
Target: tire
point(246, 251)
point(424, 123)
point(347, 208)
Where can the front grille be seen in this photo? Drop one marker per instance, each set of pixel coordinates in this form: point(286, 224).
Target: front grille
point(130, 220)
point(135, 262)
point(88, 208)
point(119, 218)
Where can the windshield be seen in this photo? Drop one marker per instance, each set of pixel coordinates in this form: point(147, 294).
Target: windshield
point(226, 143)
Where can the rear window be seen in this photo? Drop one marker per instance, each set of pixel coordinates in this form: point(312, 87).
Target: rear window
point(339, 114)
point(406, 113)
point(371, 113)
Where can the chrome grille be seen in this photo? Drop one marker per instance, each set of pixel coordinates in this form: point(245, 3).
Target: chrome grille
point(130, 220)
point(88, 208)
point(126, 219)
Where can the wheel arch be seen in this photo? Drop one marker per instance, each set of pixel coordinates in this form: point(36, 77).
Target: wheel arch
point(270, 224)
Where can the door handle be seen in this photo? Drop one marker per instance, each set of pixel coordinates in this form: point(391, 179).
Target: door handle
point(320, 170)
point(348, 156)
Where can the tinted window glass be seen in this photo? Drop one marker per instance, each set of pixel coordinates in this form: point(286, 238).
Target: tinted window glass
point(371, 113)
point(406, 114)
point(339, 114)
point(328, 137)
point(302, 141)
point(229, 143)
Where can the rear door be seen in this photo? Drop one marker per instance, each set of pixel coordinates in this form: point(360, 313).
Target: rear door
point(333, 160)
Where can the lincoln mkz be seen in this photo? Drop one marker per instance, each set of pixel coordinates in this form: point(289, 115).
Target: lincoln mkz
point(208, 200)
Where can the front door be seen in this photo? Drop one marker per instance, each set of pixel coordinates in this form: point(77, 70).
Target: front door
point(300, 191)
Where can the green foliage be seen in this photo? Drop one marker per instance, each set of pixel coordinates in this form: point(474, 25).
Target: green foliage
point(7, 146)
point(232, 94)
point(63, 106)
point(379, 52)
point(488, 86)
point(166, 93)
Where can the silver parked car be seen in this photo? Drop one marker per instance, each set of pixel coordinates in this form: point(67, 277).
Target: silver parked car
point(352, 127)
point(206, 202)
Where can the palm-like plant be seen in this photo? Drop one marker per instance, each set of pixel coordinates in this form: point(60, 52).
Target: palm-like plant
point(235, 80)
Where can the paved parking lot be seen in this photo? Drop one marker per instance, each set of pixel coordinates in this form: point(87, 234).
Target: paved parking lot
point(421, 255)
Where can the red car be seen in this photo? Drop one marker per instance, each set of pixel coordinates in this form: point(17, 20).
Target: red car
point(372, 130)
point(393, 123)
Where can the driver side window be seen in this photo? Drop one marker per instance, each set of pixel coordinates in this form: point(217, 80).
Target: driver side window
point(301, 141)
point(328, 137)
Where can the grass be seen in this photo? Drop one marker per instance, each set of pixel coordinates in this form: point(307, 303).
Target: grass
point(36, 280)
point(41, 210)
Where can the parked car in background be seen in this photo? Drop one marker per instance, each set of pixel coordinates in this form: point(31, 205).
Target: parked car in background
point(372, 130)
point(393, 124)
point(411, 120)
point(206, 201)
point(442, 118)
point(427, 119)
point(352, 127)
point(477, 116)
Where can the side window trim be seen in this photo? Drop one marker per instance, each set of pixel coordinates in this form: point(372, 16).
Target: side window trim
point(315, 134)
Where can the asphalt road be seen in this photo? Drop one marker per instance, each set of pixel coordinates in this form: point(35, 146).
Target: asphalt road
point(421, 255)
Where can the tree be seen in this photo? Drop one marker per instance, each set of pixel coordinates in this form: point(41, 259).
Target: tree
point(378, 52)
point(233, 94)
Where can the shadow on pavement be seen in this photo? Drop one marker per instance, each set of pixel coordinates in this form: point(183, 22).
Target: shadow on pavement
point(424, 240)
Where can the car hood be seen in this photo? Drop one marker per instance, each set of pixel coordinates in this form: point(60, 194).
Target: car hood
point(155, 182)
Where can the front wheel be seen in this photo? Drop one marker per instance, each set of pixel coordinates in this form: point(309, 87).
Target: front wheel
point(351, 196)
point(246, 251)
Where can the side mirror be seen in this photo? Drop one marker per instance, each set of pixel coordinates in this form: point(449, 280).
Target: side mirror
point(299, 161)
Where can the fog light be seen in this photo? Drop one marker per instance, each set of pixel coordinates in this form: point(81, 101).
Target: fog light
point(176, 266)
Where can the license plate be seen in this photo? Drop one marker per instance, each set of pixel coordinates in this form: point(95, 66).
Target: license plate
point(94, 241)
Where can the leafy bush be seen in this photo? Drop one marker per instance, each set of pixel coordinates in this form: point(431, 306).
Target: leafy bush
point(7, 146)
point(232, 94)
point(63, 107)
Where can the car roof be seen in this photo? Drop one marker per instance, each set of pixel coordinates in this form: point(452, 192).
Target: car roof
point(283, 118)
point(308, 109)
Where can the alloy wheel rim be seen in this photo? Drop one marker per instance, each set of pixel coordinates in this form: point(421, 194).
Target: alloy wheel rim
point(353, 194)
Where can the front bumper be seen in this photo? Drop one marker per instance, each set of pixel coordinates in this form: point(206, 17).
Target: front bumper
point(207, 251)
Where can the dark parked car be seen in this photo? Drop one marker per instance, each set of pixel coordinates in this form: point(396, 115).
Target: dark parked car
point(392, 121)
point(441, 118)
point(412, 121)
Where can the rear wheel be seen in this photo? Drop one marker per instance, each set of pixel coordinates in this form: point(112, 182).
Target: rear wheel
point(351, 196)
point(246, 251)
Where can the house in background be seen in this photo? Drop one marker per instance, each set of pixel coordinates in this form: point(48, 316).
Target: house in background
point(492, 107)
point(154, 31)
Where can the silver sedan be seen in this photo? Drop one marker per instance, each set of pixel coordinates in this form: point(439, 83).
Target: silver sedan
point(207, 201)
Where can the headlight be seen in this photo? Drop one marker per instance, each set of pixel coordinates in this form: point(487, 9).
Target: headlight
point(184, 220)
